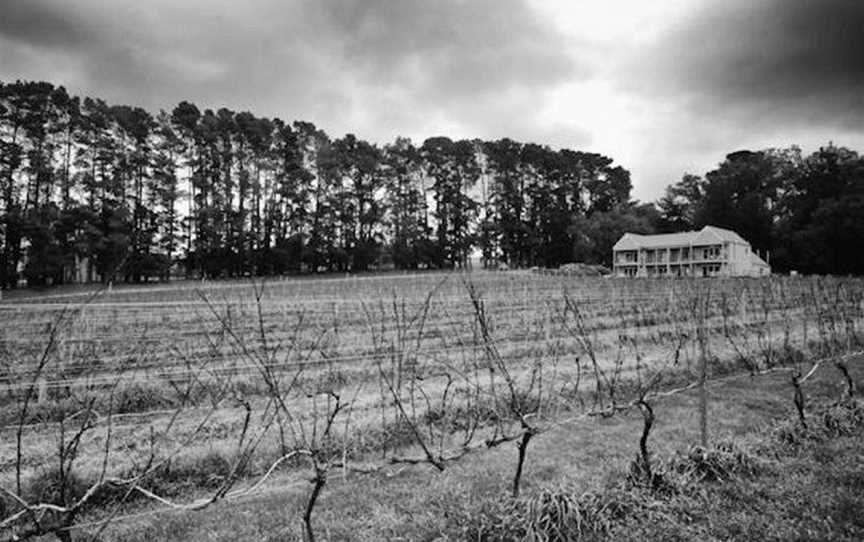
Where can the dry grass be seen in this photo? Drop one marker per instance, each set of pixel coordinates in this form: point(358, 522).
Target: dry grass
point(146, 355)
point(577, 482)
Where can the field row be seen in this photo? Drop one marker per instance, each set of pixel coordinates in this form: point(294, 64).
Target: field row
point(133, 383)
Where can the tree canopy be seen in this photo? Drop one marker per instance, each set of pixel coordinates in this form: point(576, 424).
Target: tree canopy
point(90, 190)
point(806, 212)
point(118, 192)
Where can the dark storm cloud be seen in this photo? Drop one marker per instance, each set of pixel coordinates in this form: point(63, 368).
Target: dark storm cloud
point(736, 74)
point(777, 61)
point(39, 24)
point(374, 67)
point(455, 46)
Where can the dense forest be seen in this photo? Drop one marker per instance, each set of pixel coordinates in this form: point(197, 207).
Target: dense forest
point(92, 191)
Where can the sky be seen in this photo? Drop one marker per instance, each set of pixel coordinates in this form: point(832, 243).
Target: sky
point(663, 86)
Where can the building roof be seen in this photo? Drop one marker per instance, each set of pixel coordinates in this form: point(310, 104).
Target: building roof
point(758, 262)
point(635, 241)
point(708, 235)
point(726, 235)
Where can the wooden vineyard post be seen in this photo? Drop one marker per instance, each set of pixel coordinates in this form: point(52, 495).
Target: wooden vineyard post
point(41, 391)
point(703, 374)
point(547, 328)
point(703, 396)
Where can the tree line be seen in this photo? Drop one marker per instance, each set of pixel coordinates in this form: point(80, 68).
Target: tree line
point(95, 191)
point(90, 190)
point(805, 212)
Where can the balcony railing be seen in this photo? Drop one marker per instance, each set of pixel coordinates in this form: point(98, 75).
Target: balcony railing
point(673, 259)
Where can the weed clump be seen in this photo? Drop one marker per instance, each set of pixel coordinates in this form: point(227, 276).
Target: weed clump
point(654, 478)
point(834, 420)
point(843, 418)
point(461, 417)
point(50, 486)
point(208, 471)
point(499, 519)
point(561, 515)
point(723, 462)
point(391, 435)
point(658, 501)
point(551, 515)
point(138, 397)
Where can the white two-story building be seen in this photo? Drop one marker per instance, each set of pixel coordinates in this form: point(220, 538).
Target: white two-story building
point(709, 252)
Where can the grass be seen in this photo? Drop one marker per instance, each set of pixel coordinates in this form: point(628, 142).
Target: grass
point(813, 490)
point(158, 340)
point(810, 488)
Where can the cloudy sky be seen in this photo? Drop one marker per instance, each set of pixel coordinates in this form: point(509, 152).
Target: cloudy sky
point(662, 86)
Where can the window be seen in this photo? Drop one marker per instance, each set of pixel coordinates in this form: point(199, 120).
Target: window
point(625, 256)
point(712, 253)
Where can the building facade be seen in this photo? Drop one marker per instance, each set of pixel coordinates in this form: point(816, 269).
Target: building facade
point(709, 252)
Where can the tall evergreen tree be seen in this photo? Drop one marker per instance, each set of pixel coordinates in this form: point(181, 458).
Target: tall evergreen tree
point(454, 170)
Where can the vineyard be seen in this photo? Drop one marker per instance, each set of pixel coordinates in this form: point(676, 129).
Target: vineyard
point(122, 403)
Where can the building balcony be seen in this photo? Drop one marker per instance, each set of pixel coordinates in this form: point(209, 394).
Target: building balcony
point(672, 262)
